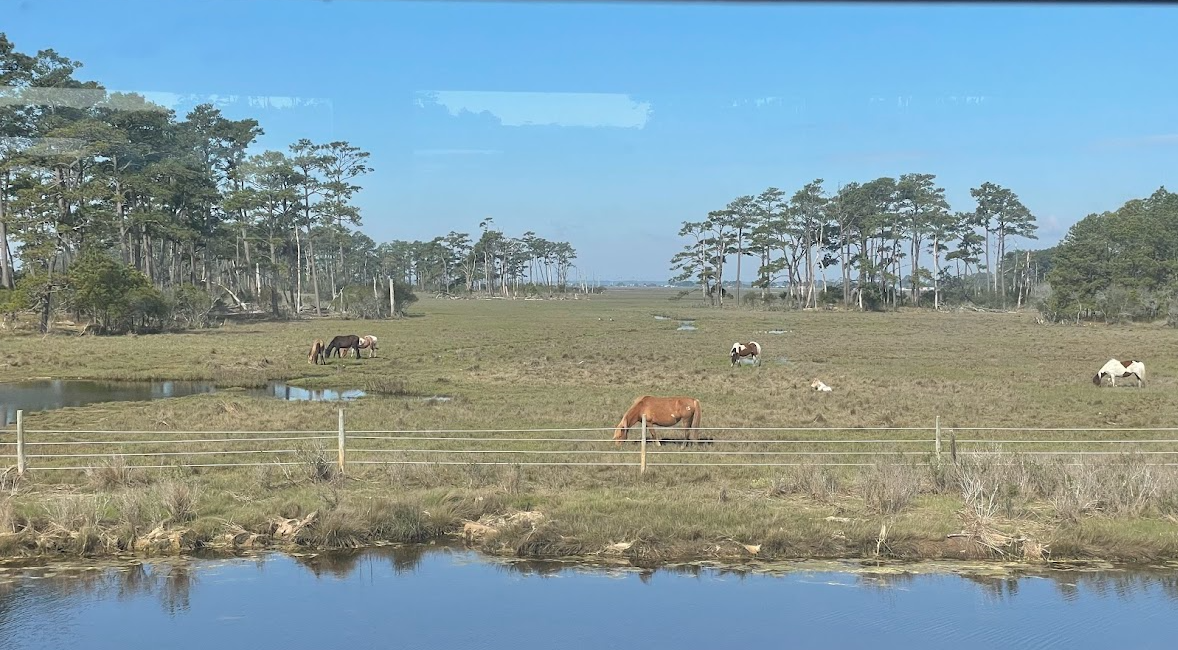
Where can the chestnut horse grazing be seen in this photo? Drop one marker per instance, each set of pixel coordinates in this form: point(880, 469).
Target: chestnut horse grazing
point(316, 352)
point(1114, 369)
point(660, 411)
point(750, 349)
point(341, 343)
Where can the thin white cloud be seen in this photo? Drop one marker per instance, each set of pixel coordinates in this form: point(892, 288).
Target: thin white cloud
point(758, 102)
point(64, 97)
point(544, 108)
point(157, 100)
point(45, 146)
point(275, 102)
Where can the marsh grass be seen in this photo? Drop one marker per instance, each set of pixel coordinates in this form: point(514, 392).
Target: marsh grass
point(179, 499)
point(111, 473)
point(554, 364)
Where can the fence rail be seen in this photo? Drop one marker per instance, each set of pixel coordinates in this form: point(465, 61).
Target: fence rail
point(63, 450)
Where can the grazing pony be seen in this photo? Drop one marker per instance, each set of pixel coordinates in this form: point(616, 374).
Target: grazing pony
point(343, 342)
point(660, 411)
point(1114, 369)
point(316, 352)
point(368, 342)
point(750, 349)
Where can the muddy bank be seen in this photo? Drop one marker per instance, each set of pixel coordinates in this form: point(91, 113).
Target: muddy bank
point(531, 535)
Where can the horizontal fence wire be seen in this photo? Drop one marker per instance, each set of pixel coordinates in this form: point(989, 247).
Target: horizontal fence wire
point(167, 431)
point(172, 442)
point(573, 447)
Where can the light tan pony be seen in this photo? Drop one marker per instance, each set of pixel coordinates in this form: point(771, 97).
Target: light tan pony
point(370, 343)
point(660, 411)
point(316, 352)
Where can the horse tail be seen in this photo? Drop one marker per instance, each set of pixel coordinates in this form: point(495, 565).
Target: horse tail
point(695, 417)
point(757, 346)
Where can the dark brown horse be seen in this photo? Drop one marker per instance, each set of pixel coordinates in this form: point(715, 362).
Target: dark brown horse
point(343, 342)
point(660, 411)
point(317, 352)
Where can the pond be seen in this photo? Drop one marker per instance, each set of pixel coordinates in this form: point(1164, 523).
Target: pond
point(296, 394)
point(425, 597)
point(49, 394)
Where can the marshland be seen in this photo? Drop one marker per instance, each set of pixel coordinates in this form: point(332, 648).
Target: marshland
point(570, 368)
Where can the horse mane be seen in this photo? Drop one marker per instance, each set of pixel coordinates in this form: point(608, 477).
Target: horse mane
point(631, 415)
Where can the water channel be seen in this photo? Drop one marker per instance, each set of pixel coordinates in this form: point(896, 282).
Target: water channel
point(48, 394)
point(426, 597)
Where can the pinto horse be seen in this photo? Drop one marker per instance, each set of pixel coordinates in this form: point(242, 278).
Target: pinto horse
point(316, 352)
point(750, 349)
point(660, 411)
point(368, 342)
point(341, 343)
point(1114, 369)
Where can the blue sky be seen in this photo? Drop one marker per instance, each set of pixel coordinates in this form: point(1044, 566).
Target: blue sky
point(608, 125)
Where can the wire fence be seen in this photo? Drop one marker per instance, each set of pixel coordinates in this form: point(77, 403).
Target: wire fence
point(53, 450)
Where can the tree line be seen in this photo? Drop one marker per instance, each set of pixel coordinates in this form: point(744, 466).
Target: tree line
point(869, 232)
point(117, 209)
point(1118, 265)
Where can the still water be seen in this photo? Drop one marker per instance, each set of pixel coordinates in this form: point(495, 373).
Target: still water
point(419, 598)
point(48, 394)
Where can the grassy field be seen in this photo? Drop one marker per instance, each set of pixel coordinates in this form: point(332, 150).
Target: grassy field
point(579, 364)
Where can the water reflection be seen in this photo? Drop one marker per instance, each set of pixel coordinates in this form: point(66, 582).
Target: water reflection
point(441, 596)
point(296, 394)
point(49, 394)
point(341, 564)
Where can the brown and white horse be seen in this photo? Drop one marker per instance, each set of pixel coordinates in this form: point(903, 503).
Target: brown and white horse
point(660, 411)
point(1113, 369)
point(316, 352)
point(750, 349)
point(368, 342)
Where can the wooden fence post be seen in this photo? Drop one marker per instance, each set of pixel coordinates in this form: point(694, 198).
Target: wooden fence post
point(642, 447)
point(21, 463)
point(341, 440)
point(392, 300)
point(953, 446)
point(938, 438)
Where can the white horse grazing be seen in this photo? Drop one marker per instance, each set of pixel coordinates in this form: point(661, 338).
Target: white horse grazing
point(750, 349)
point(1114, 369)
point(370, 343)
